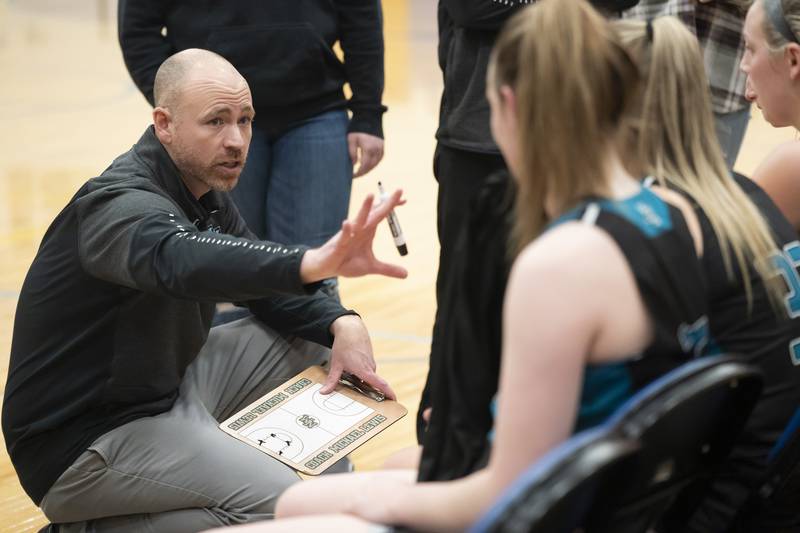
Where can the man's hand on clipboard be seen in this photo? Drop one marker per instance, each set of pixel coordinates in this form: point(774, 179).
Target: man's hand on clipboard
point(352, 352)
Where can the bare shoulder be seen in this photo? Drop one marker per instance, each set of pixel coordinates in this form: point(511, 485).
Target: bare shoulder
point(577, 278)
point(781, 166)
point(573, 251)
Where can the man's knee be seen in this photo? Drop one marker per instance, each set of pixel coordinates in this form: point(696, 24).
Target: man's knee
point(260, 494)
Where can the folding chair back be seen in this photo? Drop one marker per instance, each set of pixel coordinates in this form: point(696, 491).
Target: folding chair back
point(686, 423)
point(554, 494)
point(774, 506)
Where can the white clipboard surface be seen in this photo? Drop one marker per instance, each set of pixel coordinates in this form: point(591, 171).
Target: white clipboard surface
point(307, 430)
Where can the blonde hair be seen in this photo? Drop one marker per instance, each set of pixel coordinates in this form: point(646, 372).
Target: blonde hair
point(675, 140)
point(573, 81)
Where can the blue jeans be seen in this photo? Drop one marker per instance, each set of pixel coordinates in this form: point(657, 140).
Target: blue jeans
point(295, 189)
point(730, 131)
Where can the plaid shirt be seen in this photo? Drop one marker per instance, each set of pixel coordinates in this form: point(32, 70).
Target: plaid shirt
point(718, 27)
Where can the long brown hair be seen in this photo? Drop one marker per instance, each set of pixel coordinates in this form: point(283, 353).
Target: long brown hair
point(675, 141)
point(573, 82)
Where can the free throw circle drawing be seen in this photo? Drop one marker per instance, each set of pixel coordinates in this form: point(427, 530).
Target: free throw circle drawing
point(339, 404)
point(280, 441)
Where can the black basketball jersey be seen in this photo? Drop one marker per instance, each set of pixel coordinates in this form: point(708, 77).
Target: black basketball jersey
point(659, 249)
point(764, 336)
point(656, 242)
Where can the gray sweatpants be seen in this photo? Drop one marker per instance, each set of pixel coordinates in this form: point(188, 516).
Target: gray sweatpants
point(178, 472)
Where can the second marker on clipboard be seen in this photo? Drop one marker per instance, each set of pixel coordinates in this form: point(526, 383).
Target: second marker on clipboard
point(394, 225)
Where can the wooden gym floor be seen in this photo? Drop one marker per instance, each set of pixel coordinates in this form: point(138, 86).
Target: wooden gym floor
point(68, 107)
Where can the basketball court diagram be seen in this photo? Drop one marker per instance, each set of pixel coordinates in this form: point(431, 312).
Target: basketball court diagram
point(305, 423)
point(278, 440)
point(339, 404)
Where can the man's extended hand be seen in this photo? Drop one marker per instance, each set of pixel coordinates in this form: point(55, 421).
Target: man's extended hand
point(349, 252)
point(365, 150)
point(352, 351)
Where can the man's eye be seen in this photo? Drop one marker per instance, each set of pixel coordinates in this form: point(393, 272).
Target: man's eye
point(215, 122)
point(245, 120)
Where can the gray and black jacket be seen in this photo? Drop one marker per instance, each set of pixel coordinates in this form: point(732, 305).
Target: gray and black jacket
point(119, 300)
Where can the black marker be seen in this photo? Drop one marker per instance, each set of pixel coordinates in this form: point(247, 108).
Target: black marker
point(394, 225)
point(359, 385)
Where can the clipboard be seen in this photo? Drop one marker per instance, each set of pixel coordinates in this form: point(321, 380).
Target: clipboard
point(310, 431)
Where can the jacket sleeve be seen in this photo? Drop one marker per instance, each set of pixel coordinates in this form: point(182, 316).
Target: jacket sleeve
point(307, 316)
point(361, 38)
point(140, 240)
point(482, 14)
point(144, 47)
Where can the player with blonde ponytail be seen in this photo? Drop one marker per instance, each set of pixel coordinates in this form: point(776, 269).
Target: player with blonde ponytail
point(747, 253)
point(605, 284)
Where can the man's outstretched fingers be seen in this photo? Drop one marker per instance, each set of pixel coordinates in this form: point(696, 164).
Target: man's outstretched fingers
point(381, 211)
point(347, 232)
point(390, 270)
point(363, 213)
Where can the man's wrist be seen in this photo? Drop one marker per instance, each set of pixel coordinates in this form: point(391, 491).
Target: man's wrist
point(309, 267)
point(370, 123)
point(345, 321)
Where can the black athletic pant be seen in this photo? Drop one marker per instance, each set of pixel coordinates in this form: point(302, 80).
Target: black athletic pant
point(460, 174)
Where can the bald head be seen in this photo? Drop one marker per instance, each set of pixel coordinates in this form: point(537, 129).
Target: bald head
point(183, 67)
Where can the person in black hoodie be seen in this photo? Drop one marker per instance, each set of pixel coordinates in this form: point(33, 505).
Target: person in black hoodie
point(115, 385)
point(296, 184)
point(473, 211)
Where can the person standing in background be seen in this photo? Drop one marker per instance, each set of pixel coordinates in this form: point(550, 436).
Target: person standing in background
point(473, 208)
point(718, 27)
point(466, 155)
point(295, 187)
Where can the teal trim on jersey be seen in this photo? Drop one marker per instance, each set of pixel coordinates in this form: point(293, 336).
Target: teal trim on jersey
point(570, 216)
point(493, 409)
point(605, 388)
point(645, 209)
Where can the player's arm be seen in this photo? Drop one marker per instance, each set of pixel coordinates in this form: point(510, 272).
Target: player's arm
point(779, 177)
point(547, 341)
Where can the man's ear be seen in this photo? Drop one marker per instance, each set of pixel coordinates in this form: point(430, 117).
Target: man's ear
point(792, 55)
point(163, 121)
